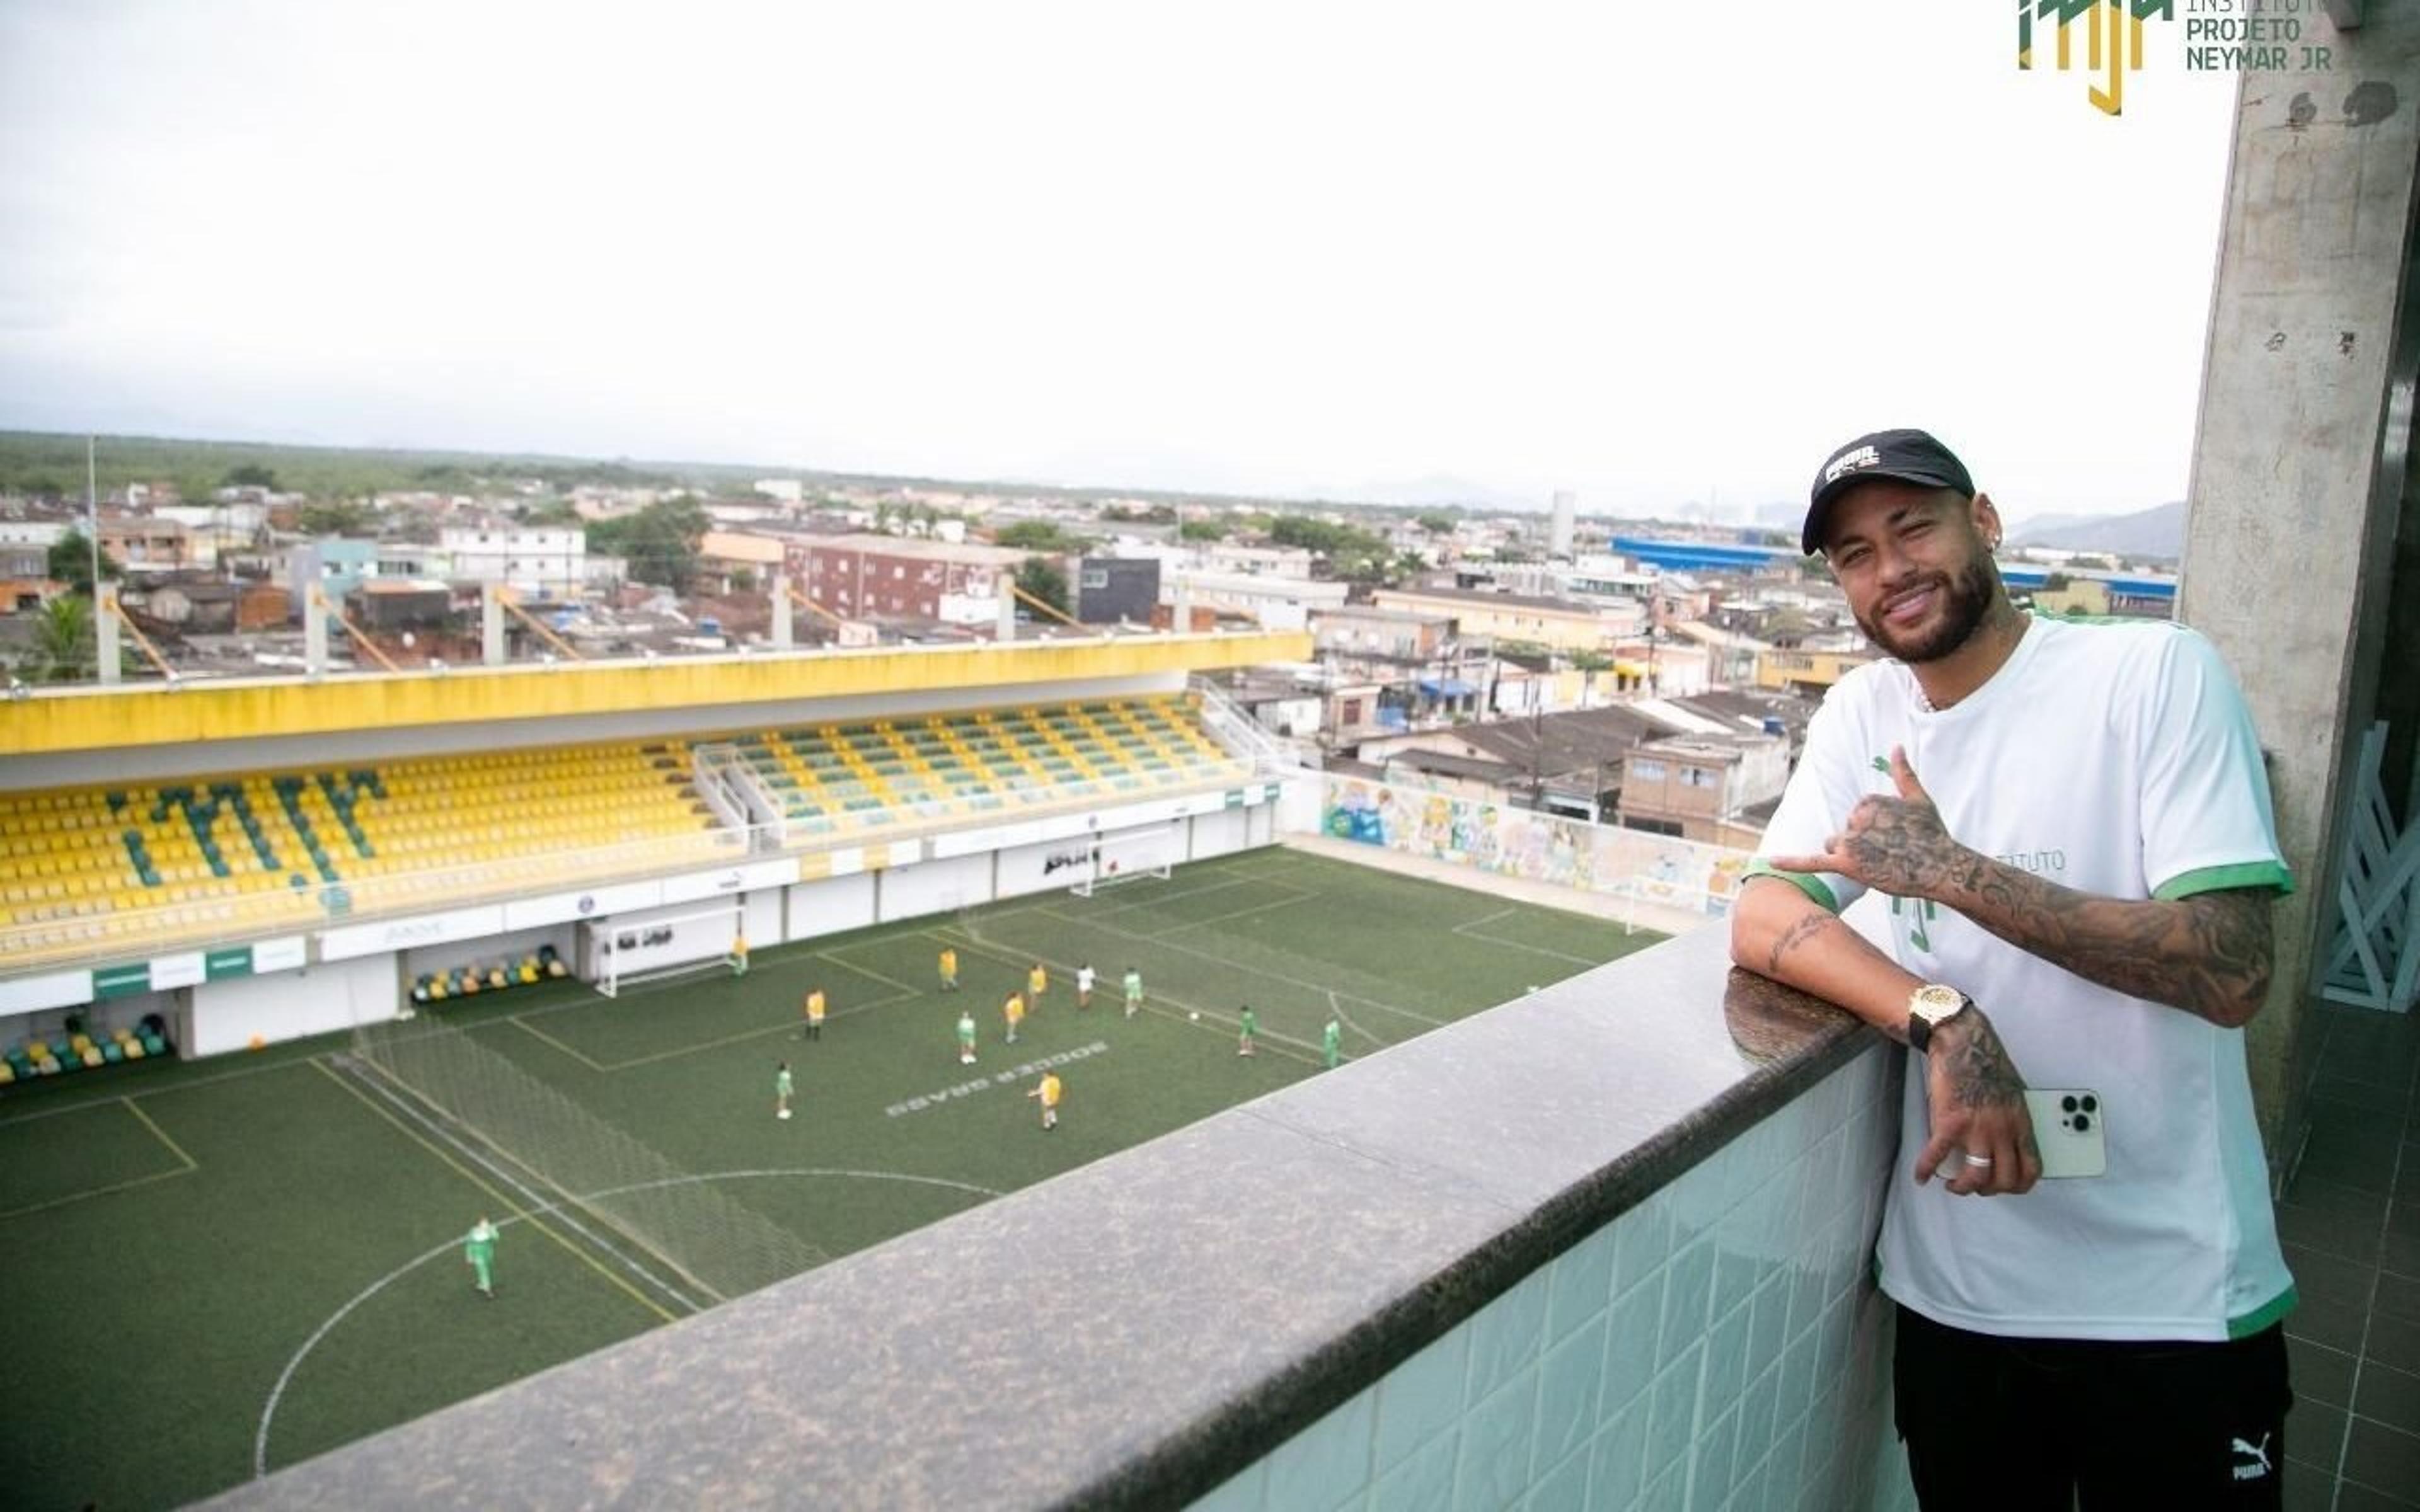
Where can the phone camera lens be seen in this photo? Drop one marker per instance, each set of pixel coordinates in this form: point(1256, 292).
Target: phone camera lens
point(2093, 1104)
point(2083, 1122)
point(2067, 1104)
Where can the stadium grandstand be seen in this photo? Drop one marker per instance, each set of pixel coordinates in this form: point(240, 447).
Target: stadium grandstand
point(212, 855)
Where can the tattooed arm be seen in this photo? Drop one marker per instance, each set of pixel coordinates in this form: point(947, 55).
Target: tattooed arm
point(2209, 954)
point(1976, 1095)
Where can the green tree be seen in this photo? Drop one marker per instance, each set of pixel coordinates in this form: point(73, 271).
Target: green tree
point(1038, 535)
point(335, 517)
point(1041, 580)
point(1200, 530)
point(1587, 664)
point(251, 475)
point(551, 512)
point(1436, 523)
point(70, 562)
point(659, 541)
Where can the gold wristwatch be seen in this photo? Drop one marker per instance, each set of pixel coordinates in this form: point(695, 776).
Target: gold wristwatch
point(1929, 1007)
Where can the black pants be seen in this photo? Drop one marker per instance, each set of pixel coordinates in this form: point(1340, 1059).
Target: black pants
point(2056, 1423)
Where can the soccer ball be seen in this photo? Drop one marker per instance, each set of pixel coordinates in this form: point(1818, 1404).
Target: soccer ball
point(1193, 1015)
point(784, 1112)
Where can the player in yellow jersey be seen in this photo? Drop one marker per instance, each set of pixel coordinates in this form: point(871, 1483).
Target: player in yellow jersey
point(1048, 1092)
point(1037, 982)
point(1014, 1011)
point(814, 1011)
point(949, 969)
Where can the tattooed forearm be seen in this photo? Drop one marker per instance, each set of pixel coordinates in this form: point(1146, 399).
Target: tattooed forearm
point(2209, 954)
point(1791, 937)
point(1976, 1064)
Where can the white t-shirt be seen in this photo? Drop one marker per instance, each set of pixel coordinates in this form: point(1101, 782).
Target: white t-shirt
point(1083, 979)
point(2115, 759)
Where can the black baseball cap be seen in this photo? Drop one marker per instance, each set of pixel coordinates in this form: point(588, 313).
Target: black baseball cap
point(1909, 455)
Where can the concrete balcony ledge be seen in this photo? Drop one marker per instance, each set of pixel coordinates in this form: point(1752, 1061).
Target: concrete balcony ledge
point(1148, 1329)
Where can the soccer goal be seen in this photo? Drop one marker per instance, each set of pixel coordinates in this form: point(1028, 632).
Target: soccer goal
point(619, 953)
point(1131, 855)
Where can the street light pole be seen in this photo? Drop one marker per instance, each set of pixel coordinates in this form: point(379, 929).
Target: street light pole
point(92, 516)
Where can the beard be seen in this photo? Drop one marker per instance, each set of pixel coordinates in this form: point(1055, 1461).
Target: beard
point(1965, 600)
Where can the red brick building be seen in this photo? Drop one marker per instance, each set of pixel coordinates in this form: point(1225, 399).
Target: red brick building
point(866, 575)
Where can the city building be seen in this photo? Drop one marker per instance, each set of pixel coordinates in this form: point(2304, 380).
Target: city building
point(542, 562)
point(1559, 623)
point(859, 576)
point(1117, 590)
point(335, 565)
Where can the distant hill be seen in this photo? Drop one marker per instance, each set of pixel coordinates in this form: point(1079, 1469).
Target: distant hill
point(2152, 532)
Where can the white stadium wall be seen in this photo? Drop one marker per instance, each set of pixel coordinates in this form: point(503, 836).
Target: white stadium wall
point(228, 1015)
point(1221, 834)
point(1053, 863)
point(939, 887)
point(831, 906)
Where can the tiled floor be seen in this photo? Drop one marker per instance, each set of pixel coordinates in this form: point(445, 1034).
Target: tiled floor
point(2350, 1223)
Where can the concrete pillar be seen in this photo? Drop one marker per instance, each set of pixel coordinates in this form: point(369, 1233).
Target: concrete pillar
point(2298, 466)
point(1007, 630)
point(1182, 621)
point(104, 631)
point(315, 632)
point(784, 634)
point(491, 624)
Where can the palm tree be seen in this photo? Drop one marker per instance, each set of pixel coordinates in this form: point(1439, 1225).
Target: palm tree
point(61, 635)
point(1587, 664)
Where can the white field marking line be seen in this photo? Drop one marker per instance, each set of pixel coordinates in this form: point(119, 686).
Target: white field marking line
point(1346, 1019)
point(297, 1063)
point(1260, 971)
point(189, 1166)
point(162, 1134)
point(1298, 897)
point(1171, 895)
point(277, 1393)
point(383, 1085)
point(1471, 932)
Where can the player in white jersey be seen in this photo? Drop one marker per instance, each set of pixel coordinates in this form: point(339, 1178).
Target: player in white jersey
point(2072, 827)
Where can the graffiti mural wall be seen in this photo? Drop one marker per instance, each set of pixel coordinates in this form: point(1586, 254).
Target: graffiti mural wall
point(1515, 842)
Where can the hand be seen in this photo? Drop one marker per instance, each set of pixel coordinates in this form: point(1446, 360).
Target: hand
point(1977, 1103)
point(1898, 845)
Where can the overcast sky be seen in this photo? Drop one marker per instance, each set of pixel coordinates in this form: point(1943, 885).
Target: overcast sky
point(1650, 253)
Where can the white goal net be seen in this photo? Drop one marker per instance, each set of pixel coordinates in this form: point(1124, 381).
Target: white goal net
point(1131, 855)
point(616, 954)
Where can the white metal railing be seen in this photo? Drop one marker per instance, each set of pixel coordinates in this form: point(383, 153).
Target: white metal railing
point(1273, 755)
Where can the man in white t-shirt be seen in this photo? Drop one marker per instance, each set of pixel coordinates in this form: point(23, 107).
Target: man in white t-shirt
point(2071, 825)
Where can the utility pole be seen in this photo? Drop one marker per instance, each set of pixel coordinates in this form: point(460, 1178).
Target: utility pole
point(92, 515)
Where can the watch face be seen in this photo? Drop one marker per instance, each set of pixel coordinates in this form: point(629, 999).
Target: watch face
point(1934, 1002)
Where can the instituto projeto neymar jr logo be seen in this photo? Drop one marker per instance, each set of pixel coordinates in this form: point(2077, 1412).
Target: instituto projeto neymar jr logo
point(2219, 36)
point(2113, 32)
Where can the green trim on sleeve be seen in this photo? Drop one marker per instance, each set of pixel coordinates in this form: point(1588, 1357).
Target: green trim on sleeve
point(2215, 878)
point(1813, 886)
point(2262, 1317)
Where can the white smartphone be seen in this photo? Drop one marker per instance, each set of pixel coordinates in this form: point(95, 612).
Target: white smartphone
point(2068, 1129)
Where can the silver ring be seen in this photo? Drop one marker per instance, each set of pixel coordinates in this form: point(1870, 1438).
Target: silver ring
point(1973, 1159)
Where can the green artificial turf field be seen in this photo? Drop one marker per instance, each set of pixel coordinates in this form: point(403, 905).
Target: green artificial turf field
point(238, 1263)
